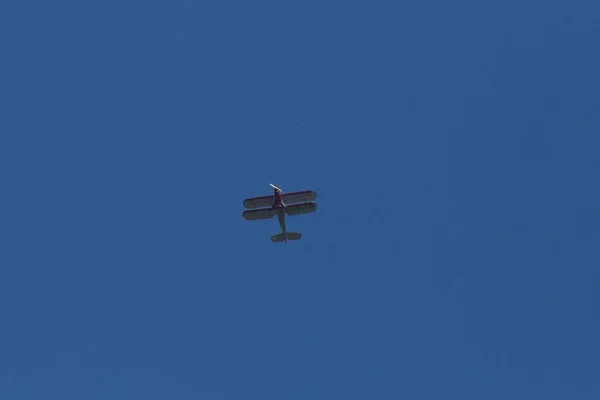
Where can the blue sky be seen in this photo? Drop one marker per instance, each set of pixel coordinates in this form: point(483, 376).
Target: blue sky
point(453, 147)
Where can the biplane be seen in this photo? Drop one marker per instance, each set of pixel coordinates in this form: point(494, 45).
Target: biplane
point(280, 204)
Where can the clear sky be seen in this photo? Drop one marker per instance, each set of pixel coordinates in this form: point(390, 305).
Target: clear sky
point(454, 149)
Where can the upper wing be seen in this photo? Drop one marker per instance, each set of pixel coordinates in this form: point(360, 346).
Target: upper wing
point(298, 197)
point(258, 202)
point(302, 208)
point(292, 197)
point(264, 213)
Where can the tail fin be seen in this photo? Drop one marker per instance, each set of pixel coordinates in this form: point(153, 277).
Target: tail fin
point(290, 236)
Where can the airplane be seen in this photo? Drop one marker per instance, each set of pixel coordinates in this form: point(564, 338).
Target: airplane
point(265, 207)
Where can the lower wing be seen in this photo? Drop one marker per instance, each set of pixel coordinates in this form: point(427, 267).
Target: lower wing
point(302, 208)
point(263, 213)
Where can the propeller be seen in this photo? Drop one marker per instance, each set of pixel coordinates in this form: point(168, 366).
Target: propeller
point(275, 187)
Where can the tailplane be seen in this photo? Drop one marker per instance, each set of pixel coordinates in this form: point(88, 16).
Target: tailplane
point(290, 236)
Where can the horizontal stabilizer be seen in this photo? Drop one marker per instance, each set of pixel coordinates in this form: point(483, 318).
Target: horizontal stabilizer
point(290, 235)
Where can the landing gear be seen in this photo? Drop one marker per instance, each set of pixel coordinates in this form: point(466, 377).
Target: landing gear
point(279, 206)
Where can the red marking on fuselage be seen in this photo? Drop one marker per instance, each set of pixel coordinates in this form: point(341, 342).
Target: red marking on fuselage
point(277, 198)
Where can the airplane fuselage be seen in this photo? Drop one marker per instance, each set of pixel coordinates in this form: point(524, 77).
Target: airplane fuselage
point(277, 198)
point(281, 218)
point(278, 203)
